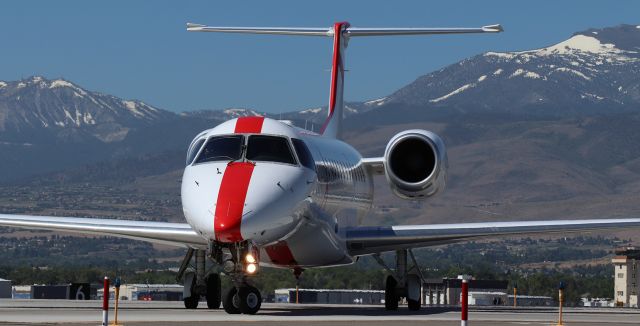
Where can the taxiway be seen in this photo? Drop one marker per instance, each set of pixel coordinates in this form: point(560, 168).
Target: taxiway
point(52, 312)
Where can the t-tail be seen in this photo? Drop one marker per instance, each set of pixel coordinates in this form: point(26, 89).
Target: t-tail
point(341, 33)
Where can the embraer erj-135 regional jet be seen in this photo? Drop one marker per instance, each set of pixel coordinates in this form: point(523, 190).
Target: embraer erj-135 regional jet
point(261, 192)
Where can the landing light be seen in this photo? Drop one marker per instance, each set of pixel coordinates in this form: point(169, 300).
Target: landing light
point(252, 268)
point(249, 258)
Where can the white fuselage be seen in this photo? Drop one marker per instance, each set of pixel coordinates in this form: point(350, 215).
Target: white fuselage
point(296, 215)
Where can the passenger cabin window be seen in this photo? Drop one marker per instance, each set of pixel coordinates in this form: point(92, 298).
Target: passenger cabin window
point(194, 149)
point(221, 148)
point(269, 149)
point(304, 155)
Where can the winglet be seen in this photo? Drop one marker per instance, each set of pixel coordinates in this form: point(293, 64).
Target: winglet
point(194, 26)
point(497, 28)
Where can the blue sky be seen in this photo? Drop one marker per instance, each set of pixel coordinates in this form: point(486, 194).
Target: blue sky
point(140, 49)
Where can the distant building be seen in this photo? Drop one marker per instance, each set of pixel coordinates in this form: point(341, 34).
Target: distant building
point(146, 292)
point(72, 291)
point(597, 302)
point(327, 296)
point(627, 277)
point(21, 292)
point(5, 289)
point(447, 291)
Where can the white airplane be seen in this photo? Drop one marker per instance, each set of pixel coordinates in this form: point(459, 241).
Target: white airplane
point(261, 192)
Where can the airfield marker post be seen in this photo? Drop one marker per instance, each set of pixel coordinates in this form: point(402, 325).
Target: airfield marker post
point(560, 299)
point(464, 301)
point(105, 302)
point(117, 294)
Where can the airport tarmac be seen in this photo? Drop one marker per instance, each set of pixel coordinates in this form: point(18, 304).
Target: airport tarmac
point(54, 312)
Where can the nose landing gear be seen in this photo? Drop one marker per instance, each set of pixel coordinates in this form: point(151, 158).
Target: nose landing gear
point(245, 299)
point(240, 265)
point(239, 261)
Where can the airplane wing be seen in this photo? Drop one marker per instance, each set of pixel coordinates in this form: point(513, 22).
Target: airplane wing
point(371, 240)
point(175, 234)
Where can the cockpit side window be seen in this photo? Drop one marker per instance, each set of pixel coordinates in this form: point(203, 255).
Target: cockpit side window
point(194, 149)
point(304, 155)
point(221, 148)
point(269, 149)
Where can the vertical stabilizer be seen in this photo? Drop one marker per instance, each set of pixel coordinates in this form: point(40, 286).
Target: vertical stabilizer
point(332, 127)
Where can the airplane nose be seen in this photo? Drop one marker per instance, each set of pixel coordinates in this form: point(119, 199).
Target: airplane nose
point(275, 197)
point(245, 200)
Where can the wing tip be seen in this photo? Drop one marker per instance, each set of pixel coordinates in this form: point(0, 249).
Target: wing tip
point(496, 28)
point(193, 27)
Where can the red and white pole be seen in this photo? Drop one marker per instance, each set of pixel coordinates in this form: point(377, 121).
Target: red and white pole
point(105, 302)
point(465, 302)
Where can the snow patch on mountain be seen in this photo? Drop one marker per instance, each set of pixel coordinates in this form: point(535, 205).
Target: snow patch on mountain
point(576, 47)
point(575, 72)
point(457, 91)
point(481, 78)
point(376, 102)
point(497, 72)
point(234, 113)
point(3, 84)
point(63, 83)
point(579, 43)
point(311, 111)
point(525, 73)
point(133, 107)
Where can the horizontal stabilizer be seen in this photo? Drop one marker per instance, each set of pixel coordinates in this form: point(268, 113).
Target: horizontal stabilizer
point(262, 30)
point(349, 31)
point(355, 31)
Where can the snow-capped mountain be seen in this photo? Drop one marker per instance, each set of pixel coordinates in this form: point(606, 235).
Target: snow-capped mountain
point(37, 105)
point(225, 114)
point(592, 70)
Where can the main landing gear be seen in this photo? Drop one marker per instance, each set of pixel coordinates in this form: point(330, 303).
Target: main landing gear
point(402, 282)
point(196, 284)
point(239, 261)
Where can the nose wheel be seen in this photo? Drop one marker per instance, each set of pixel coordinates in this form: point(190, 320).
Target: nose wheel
point(244, 299)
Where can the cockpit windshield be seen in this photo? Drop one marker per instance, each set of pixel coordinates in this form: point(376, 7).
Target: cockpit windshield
point(221, 148)
point(269, 149)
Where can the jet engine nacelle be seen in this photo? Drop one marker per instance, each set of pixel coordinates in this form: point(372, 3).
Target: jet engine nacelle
point(416, 164)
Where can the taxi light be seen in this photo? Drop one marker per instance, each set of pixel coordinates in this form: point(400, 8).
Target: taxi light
point(252, 268)
point(249, 258)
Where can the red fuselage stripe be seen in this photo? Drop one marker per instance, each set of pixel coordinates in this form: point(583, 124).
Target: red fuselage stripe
point(280, 254)
point(233, 189)
point(230, 204)
point(251, 125)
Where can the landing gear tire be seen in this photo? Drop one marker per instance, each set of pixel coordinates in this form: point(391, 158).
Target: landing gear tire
point(414, 293)
point(390, 294)
point(231, 303)
point(414, 305)
point(213, 291)
point(250, 299)
point(191, 302)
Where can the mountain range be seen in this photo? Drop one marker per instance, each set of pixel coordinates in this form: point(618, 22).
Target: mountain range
point(556, 125)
